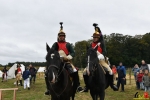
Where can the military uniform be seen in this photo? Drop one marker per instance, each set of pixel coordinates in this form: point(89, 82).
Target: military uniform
point(101, 51)
point(67, 53)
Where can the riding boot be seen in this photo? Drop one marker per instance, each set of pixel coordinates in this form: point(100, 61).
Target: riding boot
point(76, 82)
point(47, 85)
point(111, 83)
point(86, 78)
point(21, 82)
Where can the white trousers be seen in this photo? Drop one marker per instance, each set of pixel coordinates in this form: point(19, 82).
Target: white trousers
point(27, 83)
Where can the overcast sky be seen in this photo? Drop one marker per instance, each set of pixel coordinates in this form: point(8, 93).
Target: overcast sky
point(26, 25)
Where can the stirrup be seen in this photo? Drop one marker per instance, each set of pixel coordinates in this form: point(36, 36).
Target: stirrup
point(79, 89)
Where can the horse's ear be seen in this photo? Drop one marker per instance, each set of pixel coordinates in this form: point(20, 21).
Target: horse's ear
point(47, 47)
point(96, 48)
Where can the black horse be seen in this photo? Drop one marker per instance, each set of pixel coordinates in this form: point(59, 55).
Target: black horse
point(97, 78)
point(60, 84)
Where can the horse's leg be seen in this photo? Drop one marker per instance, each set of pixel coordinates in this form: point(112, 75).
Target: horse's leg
point(73, 96)
point(92, 94)
point(102, 95)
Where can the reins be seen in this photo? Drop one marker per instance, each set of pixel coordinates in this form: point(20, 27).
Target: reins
point(58, 95)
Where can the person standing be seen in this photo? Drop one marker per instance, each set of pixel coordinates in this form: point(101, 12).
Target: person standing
point(4, 75)
point(146, 80)
point(25, 76)
point(18, 75)
point(144, 66)
point(121, 76)
point(135, 70)
point(114, 70)
point(33, 72)
point(140, 76)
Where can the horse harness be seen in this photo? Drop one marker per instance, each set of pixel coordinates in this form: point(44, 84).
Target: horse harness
point(58, 95)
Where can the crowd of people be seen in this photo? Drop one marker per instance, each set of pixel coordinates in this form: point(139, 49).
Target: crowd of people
point(28, 75)
point(142, 76)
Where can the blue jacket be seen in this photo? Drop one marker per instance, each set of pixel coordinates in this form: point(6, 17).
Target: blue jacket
point(26, 74)
point(121, 72)
point(135, 70)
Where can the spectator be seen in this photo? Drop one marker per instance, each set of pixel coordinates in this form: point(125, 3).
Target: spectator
point(121, 76)
point(25, 76)
point(135, 70)
point(137, 82)
point(4, 75)
point(114, 70)
point(144, 66)
point(18, 73)
point(33, 72)
point(146, 80)
point(140, 76)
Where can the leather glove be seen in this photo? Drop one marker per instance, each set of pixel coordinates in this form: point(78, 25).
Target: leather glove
point(65, 58)
point(69, 57)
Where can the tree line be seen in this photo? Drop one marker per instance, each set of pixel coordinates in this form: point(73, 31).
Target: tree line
point(129, 50)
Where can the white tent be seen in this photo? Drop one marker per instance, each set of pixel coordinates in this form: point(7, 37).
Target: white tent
point(11, 71)
point(41, 69)
point(1, 73)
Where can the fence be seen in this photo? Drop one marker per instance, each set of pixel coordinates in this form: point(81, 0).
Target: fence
point(14, 97)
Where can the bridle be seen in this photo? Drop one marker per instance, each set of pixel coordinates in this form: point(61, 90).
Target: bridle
point(94, 66)
point(59, 72)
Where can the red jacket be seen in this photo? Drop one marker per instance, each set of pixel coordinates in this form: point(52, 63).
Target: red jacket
point(139, 77)
point(114, 70)
point(98, 49)
point(62, 46)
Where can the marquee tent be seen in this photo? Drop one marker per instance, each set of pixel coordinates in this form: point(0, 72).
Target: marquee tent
point(11, 71)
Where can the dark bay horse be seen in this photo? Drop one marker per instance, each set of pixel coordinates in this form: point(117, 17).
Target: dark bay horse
point(59, 80)
point(97, 77)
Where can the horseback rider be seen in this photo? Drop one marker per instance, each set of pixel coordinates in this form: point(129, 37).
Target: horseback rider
point(98, 41)
point(67, 52)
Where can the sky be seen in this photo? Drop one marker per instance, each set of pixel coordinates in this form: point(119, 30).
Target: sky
point(27, 25)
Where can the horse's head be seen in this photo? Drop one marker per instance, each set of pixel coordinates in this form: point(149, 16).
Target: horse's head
point(53, 64)
point(92, 60)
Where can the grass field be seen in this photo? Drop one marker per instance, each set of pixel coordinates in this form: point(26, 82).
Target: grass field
point(37, 91)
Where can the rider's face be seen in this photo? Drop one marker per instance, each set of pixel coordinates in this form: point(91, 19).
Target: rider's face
point(61, 38)
point(95, 39)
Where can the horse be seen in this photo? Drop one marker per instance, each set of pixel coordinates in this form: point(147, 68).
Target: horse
point(60, 84)
point(97, 78)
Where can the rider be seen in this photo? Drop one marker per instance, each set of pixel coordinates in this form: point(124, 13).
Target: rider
point(101, 53)
point(67, 52)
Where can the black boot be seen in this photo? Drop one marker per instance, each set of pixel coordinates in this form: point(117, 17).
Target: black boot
point(21, 82)
point(86, 88)
point(76, 81)
point(47, 85)
point(111, 83)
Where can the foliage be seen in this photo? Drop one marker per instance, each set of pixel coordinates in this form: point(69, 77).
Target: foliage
point(120, 48)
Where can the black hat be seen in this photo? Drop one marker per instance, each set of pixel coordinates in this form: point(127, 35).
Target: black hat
point(61, 32)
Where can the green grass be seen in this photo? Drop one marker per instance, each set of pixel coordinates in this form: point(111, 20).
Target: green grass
point(37, 91)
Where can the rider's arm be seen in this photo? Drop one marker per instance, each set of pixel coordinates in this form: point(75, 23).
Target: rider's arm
point(70, 49)
point(55, 46)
